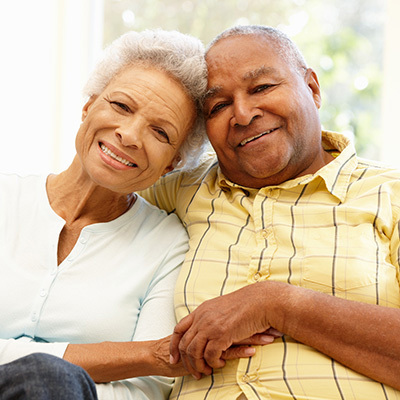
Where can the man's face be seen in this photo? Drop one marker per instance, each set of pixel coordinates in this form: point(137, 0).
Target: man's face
point(261, 113)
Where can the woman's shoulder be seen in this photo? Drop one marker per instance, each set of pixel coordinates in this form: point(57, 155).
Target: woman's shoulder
point(17, 185)
point(159, 227)
point(155, 216)
point(17, 180)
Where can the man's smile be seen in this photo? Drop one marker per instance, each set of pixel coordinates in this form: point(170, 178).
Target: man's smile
point(250, 139)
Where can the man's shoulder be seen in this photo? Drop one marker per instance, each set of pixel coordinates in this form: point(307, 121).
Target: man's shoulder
point(378, 168)
point(207, 165)
point(173, 191)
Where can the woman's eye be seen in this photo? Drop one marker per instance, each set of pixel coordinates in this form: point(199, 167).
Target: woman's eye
point(122, 106)
point(162, 134)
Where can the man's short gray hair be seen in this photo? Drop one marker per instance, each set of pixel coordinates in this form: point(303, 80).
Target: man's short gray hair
point(177, 54)
point(283, 45)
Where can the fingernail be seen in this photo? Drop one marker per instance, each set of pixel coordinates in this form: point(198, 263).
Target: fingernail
point(267, 339)
point(250, 351)
point(275, 332)
point(171, 359)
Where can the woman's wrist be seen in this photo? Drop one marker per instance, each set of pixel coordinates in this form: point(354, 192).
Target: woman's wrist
point(111, 361)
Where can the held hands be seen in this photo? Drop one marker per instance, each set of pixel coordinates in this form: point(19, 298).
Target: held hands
point(220, 329)
point(167, 366)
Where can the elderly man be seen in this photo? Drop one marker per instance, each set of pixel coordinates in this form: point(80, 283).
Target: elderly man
point(288, 229)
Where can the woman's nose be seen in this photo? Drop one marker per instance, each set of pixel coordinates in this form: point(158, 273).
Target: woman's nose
point(131, 133)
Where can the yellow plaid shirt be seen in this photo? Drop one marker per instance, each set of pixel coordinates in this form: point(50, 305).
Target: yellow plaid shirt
point(336, 232)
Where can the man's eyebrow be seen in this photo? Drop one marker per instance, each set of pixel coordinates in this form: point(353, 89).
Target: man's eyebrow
point(212, 92)
point(250, 75)
point(256, 73)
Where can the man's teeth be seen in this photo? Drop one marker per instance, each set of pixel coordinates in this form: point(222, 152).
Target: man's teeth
point(243, 142)
point(107, 151)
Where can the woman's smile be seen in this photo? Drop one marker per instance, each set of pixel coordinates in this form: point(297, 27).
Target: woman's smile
point(111, 154)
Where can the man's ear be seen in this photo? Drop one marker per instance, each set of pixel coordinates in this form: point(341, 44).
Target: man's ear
point(86, 107)
point(173, 164)
point(312, 82)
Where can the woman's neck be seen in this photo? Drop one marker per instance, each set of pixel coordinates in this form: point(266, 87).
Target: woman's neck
point(78, 200)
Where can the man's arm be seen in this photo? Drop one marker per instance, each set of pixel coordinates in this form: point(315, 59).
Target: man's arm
point(361, 336)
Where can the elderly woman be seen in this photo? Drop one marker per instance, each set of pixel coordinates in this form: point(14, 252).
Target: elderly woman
point(83, 258)
point(87, 266)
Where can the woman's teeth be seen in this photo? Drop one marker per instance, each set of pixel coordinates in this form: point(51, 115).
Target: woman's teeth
point(107, 151)
point(243, 142)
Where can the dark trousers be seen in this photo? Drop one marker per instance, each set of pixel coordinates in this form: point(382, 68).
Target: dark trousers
point(45, 377)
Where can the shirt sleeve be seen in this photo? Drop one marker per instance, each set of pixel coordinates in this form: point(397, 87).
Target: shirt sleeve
point(12, 349)
point(395, 248)
point(156, 320)
point(165, 192)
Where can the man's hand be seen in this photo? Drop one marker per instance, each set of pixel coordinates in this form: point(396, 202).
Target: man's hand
point(202, 339)
point(160, 351)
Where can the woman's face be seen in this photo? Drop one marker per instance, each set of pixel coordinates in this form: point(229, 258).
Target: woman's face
point(131, 133)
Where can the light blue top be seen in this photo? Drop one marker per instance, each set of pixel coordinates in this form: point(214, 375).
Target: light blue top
point(116, 284)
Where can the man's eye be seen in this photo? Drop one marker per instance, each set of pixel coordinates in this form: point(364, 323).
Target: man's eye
point(122, 106)
point(216, 108)
point(261, 88)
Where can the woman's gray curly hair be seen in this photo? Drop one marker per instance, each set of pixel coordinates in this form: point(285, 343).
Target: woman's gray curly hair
point(180, 55)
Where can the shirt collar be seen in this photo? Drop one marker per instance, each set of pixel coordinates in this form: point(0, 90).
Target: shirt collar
point(336, 174)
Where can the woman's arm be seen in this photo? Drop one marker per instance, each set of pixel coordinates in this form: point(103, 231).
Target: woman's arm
point(12, 349)
point(111, 361)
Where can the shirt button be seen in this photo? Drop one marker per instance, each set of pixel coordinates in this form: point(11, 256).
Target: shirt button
point(83, 240)
point(42, 293)
point(264, 233)
point(33, 317)
point(245, 378)
point(257, 276)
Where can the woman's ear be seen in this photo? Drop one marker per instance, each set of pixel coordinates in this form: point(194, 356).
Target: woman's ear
point(173, 165)
point(313, 84)
point(86, 107)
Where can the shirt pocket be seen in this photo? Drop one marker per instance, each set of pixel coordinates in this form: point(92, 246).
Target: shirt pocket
point(353, 261)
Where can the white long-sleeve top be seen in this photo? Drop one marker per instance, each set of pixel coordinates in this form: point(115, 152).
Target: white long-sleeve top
point(116, 284)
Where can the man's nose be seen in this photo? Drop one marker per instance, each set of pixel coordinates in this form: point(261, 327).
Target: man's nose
point(244, 112)
point(131, 133)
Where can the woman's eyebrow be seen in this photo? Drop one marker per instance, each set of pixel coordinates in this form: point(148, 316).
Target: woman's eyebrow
point(158, 120)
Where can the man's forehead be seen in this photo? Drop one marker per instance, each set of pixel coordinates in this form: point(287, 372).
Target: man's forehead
point(250, 42)
point(244, 55)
